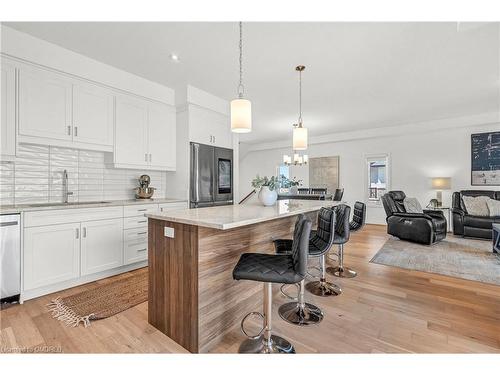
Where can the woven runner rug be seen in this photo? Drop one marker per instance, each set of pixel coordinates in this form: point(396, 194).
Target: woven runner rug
point(102, 301)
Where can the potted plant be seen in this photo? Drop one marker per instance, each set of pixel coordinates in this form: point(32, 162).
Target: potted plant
point(294, 185)
point(267, 186)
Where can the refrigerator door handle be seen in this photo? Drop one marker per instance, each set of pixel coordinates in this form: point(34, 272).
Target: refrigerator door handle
point(197, 173)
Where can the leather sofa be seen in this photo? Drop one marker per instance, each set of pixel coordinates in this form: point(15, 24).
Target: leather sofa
point(426, 228)
point(468, 225)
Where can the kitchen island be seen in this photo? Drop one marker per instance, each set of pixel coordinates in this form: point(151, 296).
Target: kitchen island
point(193, 298)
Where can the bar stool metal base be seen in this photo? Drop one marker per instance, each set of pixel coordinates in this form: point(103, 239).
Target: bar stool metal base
point(323, 288)
point(294, 313)
point(344, 272)
point(260, 346)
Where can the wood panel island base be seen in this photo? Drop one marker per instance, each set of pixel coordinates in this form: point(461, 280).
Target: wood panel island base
point(193, 298)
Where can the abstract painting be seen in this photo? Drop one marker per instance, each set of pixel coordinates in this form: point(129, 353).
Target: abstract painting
point(324, 173)
point(485, 159)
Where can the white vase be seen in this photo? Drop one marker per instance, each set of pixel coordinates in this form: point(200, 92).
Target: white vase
point(294, 189)
point(267, 197)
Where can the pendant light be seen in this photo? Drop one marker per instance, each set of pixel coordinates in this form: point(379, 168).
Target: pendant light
point(299, 132)
point(241, 109)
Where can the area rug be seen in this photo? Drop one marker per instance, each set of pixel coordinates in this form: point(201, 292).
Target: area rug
point(102, 301)
point(455, 256)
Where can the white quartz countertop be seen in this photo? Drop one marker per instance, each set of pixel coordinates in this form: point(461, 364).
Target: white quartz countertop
point(227, 217)
point(12, 209)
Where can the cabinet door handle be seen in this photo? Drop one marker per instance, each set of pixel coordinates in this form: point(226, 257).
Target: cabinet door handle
point(150, 157)
point(210, 139)
point(142, 209)
point(142, 233)
point(84, 232)
point(141, 250)
point(69, 130)
point(142, 221)
point(146, 157)
point(77, 233)
point(214, 138)
point(76, 131)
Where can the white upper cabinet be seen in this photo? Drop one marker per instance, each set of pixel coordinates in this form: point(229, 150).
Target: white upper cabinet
point(44, 104)
point(55, 109)
point(145, 134)
point(161, 136)
point(131, 131)
point(209, 127)
point(92, 114)
point(58, 109)
point(8, 110)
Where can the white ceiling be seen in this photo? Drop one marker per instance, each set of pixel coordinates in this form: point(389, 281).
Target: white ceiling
point(358, 75)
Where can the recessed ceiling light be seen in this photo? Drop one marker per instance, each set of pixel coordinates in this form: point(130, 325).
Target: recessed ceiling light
point(174, 57)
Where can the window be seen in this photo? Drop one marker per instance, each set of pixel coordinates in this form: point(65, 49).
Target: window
point(377, 177)
point(283, 172)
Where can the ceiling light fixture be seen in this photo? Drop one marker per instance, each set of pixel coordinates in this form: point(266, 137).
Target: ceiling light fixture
point(297, 159)
point(241, 109)
point(299, 132)
point(174, 57)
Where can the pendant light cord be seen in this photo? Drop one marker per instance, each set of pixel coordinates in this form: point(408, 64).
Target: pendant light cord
point(241, 88)
point(300, 98)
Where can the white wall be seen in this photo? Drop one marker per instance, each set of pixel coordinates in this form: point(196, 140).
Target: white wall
point(415, 157)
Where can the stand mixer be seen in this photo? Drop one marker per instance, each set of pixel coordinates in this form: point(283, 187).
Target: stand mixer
point(144, 191)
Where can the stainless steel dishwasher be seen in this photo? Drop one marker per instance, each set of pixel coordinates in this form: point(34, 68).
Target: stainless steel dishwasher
point(10, 258)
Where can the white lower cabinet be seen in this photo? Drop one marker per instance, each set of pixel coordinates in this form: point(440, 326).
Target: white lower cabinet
point(101, 245)
point(51, 254)
point(96, 243)
point(135, 245)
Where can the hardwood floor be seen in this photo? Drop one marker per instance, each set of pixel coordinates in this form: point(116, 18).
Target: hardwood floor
point(383, 309)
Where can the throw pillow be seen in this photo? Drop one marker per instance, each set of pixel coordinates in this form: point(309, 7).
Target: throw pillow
point(493, 207)
point(412, 205)
point(476, 206)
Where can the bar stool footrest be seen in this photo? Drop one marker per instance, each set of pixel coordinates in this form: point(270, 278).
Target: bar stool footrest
point(253, 313)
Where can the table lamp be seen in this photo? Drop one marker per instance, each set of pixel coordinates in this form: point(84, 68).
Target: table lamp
point(439, 184)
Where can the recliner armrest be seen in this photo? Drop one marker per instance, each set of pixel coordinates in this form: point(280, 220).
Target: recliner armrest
point(458, 211)
point(412, 215)
point(434, 213)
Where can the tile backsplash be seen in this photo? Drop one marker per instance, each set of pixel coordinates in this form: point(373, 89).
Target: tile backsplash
point(35, 176)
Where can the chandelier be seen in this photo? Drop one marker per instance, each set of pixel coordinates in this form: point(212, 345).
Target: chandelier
point(297, 159)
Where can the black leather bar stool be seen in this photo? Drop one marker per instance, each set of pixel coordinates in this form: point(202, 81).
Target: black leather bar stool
point(267, 268)
point(320, 243)
point(300, 312)
point(339, 193)
point(358, 221)
point(358, 217)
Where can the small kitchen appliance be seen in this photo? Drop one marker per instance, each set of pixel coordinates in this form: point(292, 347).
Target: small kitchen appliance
point(144, 191)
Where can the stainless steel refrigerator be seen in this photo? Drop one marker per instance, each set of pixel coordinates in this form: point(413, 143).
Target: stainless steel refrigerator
point(211, 176)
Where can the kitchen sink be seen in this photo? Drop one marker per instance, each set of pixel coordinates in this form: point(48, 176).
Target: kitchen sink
point(65, 204)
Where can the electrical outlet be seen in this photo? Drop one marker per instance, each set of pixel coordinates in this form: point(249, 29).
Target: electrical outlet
point(169, 232)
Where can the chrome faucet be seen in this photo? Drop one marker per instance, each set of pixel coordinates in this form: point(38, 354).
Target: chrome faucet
point(65, 191)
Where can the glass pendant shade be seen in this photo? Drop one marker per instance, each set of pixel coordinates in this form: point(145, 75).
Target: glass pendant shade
point(241, 116)
point(299, 138)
